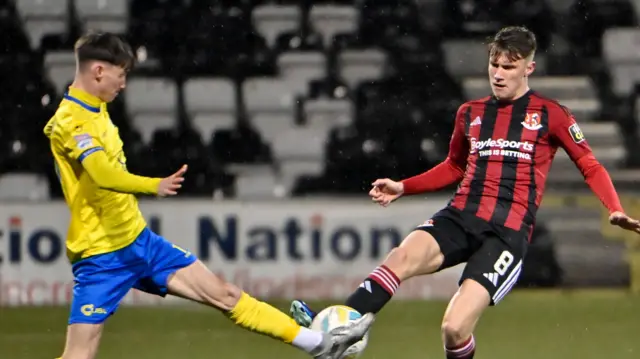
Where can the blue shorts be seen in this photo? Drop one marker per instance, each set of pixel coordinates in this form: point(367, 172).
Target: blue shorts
point(103, 280)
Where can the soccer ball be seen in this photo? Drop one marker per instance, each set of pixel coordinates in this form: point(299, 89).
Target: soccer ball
point(339, 315)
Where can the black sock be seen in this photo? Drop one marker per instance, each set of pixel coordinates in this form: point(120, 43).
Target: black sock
point(374, 293)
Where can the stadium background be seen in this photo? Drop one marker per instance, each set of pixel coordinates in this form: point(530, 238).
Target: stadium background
point(285, 111)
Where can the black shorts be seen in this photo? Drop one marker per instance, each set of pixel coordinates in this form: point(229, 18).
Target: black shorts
point(493, 253)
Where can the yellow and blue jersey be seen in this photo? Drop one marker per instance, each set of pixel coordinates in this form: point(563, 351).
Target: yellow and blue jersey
point(89, 157)
point(108, 243)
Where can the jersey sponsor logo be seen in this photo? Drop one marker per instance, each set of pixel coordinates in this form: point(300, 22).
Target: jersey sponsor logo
point(576, 133)
point(532, 122)
point(500, 143)
point(502, 147)
point(83, 141)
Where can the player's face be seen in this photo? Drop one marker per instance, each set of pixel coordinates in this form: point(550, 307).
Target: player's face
point(508, 77)
point(111, 80)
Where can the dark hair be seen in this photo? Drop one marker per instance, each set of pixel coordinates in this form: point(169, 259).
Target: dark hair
point(104, 46)
point(516, 42)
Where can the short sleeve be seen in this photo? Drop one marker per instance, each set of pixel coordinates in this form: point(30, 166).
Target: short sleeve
point(82, 140)
point(568, 134)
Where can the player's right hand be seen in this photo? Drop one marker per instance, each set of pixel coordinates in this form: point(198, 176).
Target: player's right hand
point(169, 186)
point(385, 191)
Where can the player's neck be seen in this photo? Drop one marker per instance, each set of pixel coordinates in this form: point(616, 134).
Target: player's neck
point(523, 91)
point(81, 84)
point(519, 94)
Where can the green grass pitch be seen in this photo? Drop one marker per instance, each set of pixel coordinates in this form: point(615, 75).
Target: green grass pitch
point(527, 325)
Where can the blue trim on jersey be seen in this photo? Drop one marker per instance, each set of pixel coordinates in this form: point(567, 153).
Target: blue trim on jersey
point(86, 153)
point(79, 102)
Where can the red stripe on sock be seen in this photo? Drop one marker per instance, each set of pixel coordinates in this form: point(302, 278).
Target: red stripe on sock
point(386, 279)
point(393, 275)
point(462, 351)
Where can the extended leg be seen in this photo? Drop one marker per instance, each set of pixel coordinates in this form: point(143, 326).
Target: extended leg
point(197, 283)
point(437, 244)
point(418, 254)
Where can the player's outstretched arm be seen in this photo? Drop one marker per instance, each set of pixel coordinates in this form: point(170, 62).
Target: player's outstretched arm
point(115, 179)
point(573, 141)
point(107, 176)
point(449, 172)
point(598, 179)
point(83, 142)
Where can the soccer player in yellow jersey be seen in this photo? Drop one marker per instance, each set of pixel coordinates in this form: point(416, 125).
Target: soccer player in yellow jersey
point(108, 243)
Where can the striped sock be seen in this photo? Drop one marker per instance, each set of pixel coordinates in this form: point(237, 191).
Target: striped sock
point(465, 350)
point(374, 293)
point(386, 278)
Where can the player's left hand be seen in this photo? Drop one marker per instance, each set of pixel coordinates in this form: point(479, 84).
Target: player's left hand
point(623, 221)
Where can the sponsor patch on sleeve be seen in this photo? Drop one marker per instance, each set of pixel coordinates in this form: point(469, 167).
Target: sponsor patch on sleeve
point(83, 141)
point(576, 133)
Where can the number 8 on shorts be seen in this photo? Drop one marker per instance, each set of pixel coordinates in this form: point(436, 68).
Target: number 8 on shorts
point(503, 263)
point(495, 266)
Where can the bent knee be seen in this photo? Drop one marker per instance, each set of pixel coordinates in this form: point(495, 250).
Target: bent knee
point(455, 331)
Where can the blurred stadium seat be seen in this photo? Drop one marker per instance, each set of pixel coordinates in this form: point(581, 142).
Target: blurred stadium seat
point(17, 186)
point(106, 15)
point(316, 91)
point(42, 18)
point(273, 99)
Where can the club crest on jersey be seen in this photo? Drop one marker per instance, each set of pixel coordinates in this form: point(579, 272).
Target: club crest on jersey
point(532, 122)
point(83, 141)
point(576, 133)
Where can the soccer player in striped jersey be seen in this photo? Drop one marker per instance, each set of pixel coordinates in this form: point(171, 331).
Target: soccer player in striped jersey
point(500, 153)
point(109, 245)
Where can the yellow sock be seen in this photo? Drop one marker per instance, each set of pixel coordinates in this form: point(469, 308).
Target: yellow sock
point(262, 318)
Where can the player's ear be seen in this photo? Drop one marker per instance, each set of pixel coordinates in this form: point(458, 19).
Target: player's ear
point(531, 66)
point(97, 69)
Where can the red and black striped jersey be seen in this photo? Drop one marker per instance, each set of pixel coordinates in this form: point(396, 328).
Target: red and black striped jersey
point(502, 153)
